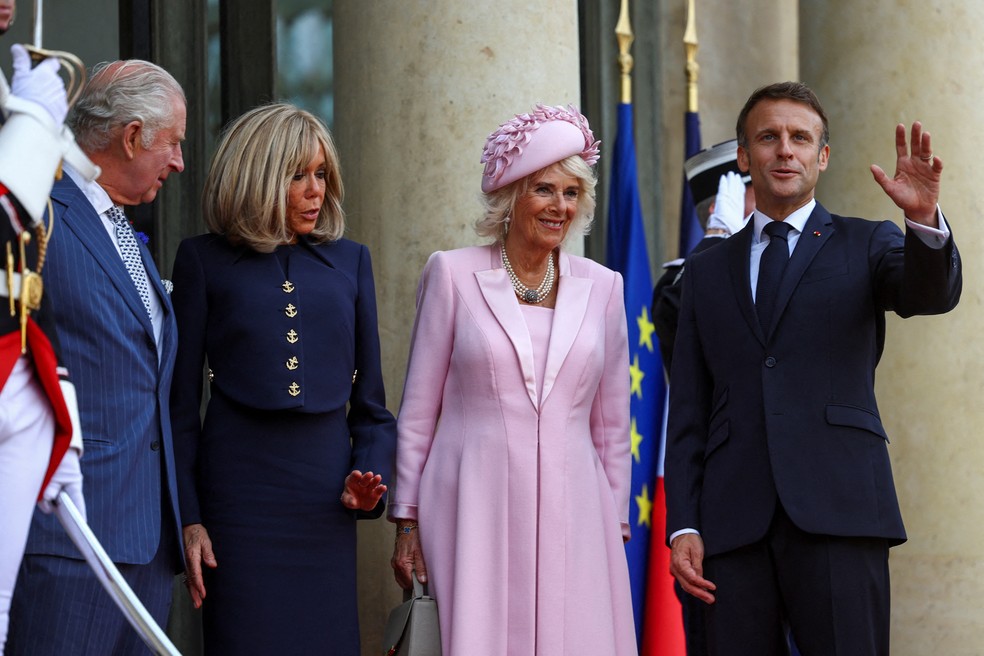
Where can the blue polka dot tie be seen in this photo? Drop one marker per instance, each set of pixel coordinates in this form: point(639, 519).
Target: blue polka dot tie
point(771, 266)
point(131, 254)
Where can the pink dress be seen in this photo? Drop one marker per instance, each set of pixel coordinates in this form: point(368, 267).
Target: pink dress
point(539, 322)
point(513, 455)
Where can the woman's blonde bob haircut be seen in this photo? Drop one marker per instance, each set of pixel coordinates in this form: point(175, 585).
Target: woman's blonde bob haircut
point(500, 204)
point(245, 194)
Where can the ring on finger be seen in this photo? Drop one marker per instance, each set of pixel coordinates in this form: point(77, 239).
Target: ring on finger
point(926, 158)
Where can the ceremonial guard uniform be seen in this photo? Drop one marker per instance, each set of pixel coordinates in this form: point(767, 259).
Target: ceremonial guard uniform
point(27, 335)
point(38, 409)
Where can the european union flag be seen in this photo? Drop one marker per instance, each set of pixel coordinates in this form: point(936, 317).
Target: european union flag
point(628, 254)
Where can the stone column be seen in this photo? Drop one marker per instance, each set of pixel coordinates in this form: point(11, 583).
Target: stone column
point(418, 87)
point(873, 65)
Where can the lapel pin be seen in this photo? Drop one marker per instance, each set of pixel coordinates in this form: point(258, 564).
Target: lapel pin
point(816, 233)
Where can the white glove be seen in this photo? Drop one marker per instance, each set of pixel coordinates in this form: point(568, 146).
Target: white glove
point(33, 141)
point(67, 477)
point(729, 204)
point(40, 84)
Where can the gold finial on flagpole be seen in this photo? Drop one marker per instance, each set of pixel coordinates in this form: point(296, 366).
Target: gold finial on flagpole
point(623, 33)
point(690, 45)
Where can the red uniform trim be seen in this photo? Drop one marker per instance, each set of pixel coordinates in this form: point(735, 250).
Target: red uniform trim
point(45, 365)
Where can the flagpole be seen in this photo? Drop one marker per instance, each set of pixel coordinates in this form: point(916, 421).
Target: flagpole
point(623, 33)
point(690, 47)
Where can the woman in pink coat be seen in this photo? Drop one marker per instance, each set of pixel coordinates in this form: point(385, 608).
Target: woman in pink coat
point(513, 465)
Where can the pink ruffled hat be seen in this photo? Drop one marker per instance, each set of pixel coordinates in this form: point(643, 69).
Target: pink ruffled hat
point(530, 142)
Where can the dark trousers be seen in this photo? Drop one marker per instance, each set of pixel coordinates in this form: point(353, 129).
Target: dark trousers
point(832, 592)
point(693, 621)
point(59, 606)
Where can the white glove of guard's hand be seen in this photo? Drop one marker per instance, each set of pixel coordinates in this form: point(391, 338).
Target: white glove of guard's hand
point(67, 477)
point(41, 84)
point(729, 204)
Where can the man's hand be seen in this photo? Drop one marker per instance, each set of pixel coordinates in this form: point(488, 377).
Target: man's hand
point(687, 565)
point(198, 550)
point(916, 185)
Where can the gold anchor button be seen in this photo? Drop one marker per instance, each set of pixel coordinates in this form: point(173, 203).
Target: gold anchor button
point(288, 286)
point(290, 310)
point(294, 389)
point(292, 336)
point(292, 364)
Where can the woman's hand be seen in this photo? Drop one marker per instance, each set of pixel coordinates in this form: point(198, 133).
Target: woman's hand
point(198, 550)
point(362, 491)
point(407, 554)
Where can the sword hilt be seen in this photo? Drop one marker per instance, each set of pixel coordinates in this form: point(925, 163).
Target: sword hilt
point(73, 66)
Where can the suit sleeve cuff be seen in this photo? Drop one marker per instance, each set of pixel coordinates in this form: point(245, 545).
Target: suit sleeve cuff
point(683, 531)
point(934, 238)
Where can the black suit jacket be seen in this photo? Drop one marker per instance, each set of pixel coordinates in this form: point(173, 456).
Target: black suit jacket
point(666, 300)
point(788, 414)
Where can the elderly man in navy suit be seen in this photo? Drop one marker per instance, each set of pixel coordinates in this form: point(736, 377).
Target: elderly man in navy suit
point(780, 499)
point(118, 338)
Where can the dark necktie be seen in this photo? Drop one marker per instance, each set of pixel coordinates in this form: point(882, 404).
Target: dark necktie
point(771, 266)
point(131, 254)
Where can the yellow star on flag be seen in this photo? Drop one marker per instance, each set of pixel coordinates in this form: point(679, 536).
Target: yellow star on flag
point(636, 441)
point(646, 329)
point(645, 505)
point(637, 375)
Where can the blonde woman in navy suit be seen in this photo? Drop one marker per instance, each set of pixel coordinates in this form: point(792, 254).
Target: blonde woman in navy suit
point(297, 442)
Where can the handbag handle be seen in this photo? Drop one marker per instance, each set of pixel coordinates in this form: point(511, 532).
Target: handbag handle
point(419, 589)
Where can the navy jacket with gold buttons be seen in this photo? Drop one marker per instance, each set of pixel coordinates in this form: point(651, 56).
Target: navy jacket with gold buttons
point(293, 330)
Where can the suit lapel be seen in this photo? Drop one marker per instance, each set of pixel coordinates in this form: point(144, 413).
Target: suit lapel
point(169, 337)
point(323, 251)
point(572, 304)
point(82, 220)
point(501, 299)
point(817, 230)
point(738, 259)
point(573, 294)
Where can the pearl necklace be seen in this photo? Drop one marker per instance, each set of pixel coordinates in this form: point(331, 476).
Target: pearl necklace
point(527, 294)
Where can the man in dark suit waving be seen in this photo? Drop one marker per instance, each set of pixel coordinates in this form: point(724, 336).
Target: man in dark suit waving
point(780, 498)
point(118, 337)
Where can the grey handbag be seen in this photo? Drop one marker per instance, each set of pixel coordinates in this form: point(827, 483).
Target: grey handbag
point(412, 628)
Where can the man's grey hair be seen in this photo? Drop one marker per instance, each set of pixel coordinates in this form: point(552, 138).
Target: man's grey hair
point(118, 93)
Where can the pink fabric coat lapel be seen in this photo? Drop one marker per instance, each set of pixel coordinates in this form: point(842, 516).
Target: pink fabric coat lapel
point(572, 303)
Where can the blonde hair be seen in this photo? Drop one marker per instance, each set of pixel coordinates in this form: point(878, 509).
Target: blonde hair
point(500, 204)
point(245, 194)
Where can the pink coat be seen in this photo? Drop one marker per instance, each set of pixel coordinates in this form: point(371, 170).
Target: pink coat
point(522, 502)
